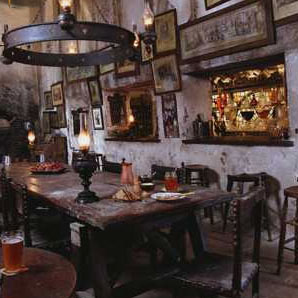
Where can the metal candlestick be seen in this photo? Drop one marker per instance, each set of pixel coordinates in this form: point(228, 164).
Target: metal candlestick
point(85, 166)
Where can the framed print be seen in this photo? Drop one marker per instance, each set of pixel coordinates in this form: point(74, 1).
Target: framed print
point(166, 74)
point(170, 115)
point(166, 27)
point(48, 102)
point(212, 3)
point(243, 26)
point(106, 68)
point(285, 11)
point(54, 120)
point(57, 94)
point(146, 52)
point(127, 68)
point(94, 92)
point(61, 118)
point(46, 122)
point(97, 118)
point(74, 74)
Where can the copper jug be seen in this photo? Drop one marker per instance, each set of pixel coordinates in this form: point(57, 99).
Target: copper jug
point(126, 173)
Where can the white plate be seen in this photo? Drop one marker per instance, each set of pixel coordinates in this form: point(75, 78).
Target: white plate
point(167, 196)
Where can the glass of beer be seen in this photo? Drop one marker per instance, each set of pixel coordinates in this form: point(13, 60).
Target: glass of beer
point(12, 250)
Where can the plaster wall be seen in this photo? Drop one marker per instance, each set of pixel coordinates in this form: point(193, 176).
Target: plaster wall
point(279, 162)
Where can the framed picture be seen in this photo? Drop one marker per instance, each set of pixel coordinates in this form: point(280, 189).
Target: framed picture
point(127, 68)
point(57, 94)
point(243, 26)
point(46, 122)
point(285, 11)
point(146, 52)
point(54, 120)
point(48, 102)
point(74, 74)
point(94, 91)
point(61, 118)
point(166, 27)
point(212, 3)
point(166, 74)
point(106, 68)
point(170, 115)
point(97, 118)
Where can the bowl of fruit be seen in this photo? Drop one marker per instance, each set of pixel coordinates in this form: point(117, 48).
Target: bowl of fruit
point(48, 168)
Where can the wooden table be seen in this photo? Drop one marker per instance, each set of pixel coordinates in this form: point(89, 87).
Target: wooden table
point(49, 275)
point(107, 214)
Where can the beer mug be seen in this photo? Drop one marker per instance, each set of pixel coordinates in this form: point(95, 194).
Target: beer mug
point(12, 250)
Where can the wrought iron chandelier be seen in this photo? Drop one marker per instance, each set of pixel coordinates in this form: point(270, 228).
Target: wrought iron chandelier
point(122, 42)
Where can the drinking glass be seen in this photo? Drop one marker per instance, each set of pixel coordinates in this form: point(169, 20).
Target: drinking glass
point(171, 181)
point(12, 249)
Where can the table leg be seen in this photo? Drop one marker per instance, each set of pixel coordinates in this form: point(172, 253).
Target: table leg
point(101, 285)
point(196, 235)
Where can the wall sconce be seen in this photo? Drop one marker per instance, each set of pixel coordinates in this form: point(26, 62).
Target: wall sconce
point(85, 166)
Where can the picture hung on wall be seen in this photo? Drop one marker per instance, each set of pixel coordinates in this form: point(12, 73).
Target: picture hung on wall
point(146, 52)
point(97, 118)
point(48, 102)
point(246, 25)
point(213, 3)
point(166, 74)
point(170, 115)
point(106, 68)
point(61, 118)
point(76, 123)
point(285, 11)
point(165, 25)
point(127, 68)
point(94, 92)
point(74, 74)
point(57, 94)
point(46, 123)
point(54, 120)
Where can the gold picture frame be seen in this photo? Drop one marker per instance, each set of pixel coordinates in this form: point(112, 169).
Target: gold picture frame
point(57, 94)
point(166, 29)
point(166, 73)
point(213, 3)
point(94, 92)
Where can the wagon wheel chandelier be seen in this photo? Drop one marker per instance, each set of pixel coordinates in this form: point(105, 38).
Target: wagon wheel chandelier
point(67, 28)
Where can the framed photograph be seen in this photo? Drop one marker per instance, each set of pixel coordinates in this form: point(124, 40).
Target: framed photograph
point(97, 118)
point(285, 11)
point(74, 74)
point(48, 102)
point(170, 115)
point(166, 29)
point(57, 94)
point(54, 120)
point(106, 68)
point(61, 117)
point(146, 52)
point(46, 122)
point(94, 91)
point(166, 74)
point(213, 3)
point(127, 68)
point(243, 26)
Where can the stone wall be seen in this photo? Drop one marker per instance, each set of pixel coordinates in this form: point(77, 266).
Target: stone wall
point(279, 162)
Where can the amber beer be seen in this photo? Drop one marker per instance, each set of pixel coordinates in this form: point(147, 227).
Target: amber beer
point(12, 249)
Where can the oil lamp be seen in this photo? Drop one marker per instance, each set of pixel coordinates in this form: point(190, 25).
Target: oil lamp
point(149, 36)
point(85, 166)
point(31, 138)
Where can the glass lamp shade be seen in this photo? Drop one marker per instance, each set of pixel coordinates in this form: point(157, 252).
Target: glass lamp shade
point(31, 137)
point(148, 17)
point(131, 118)
point(84, 140)
point(65, 4)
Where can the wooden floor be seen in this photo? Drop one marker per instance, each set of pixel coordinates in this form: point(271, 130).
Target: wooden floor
point(272, 285)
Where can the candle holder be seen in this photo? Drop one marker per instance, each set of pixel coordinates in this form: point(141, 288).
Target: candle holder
point(85, 166)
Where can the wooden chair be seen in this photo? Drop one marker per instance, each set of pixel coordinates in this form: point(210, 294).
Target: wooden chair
point(255, 179)
point(19, 213)
point(214, 274)
point(112, 167)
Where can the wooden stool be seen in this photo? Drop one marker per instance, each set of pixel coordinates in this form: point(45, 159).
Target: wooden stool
point(291, 192)
point(49, 275)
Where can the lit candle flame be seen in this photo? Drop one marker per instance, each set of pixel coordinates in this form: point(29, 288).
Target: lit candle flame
point(31, 137)
point(84, 140)
point(65, 4)
point(148, 17)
